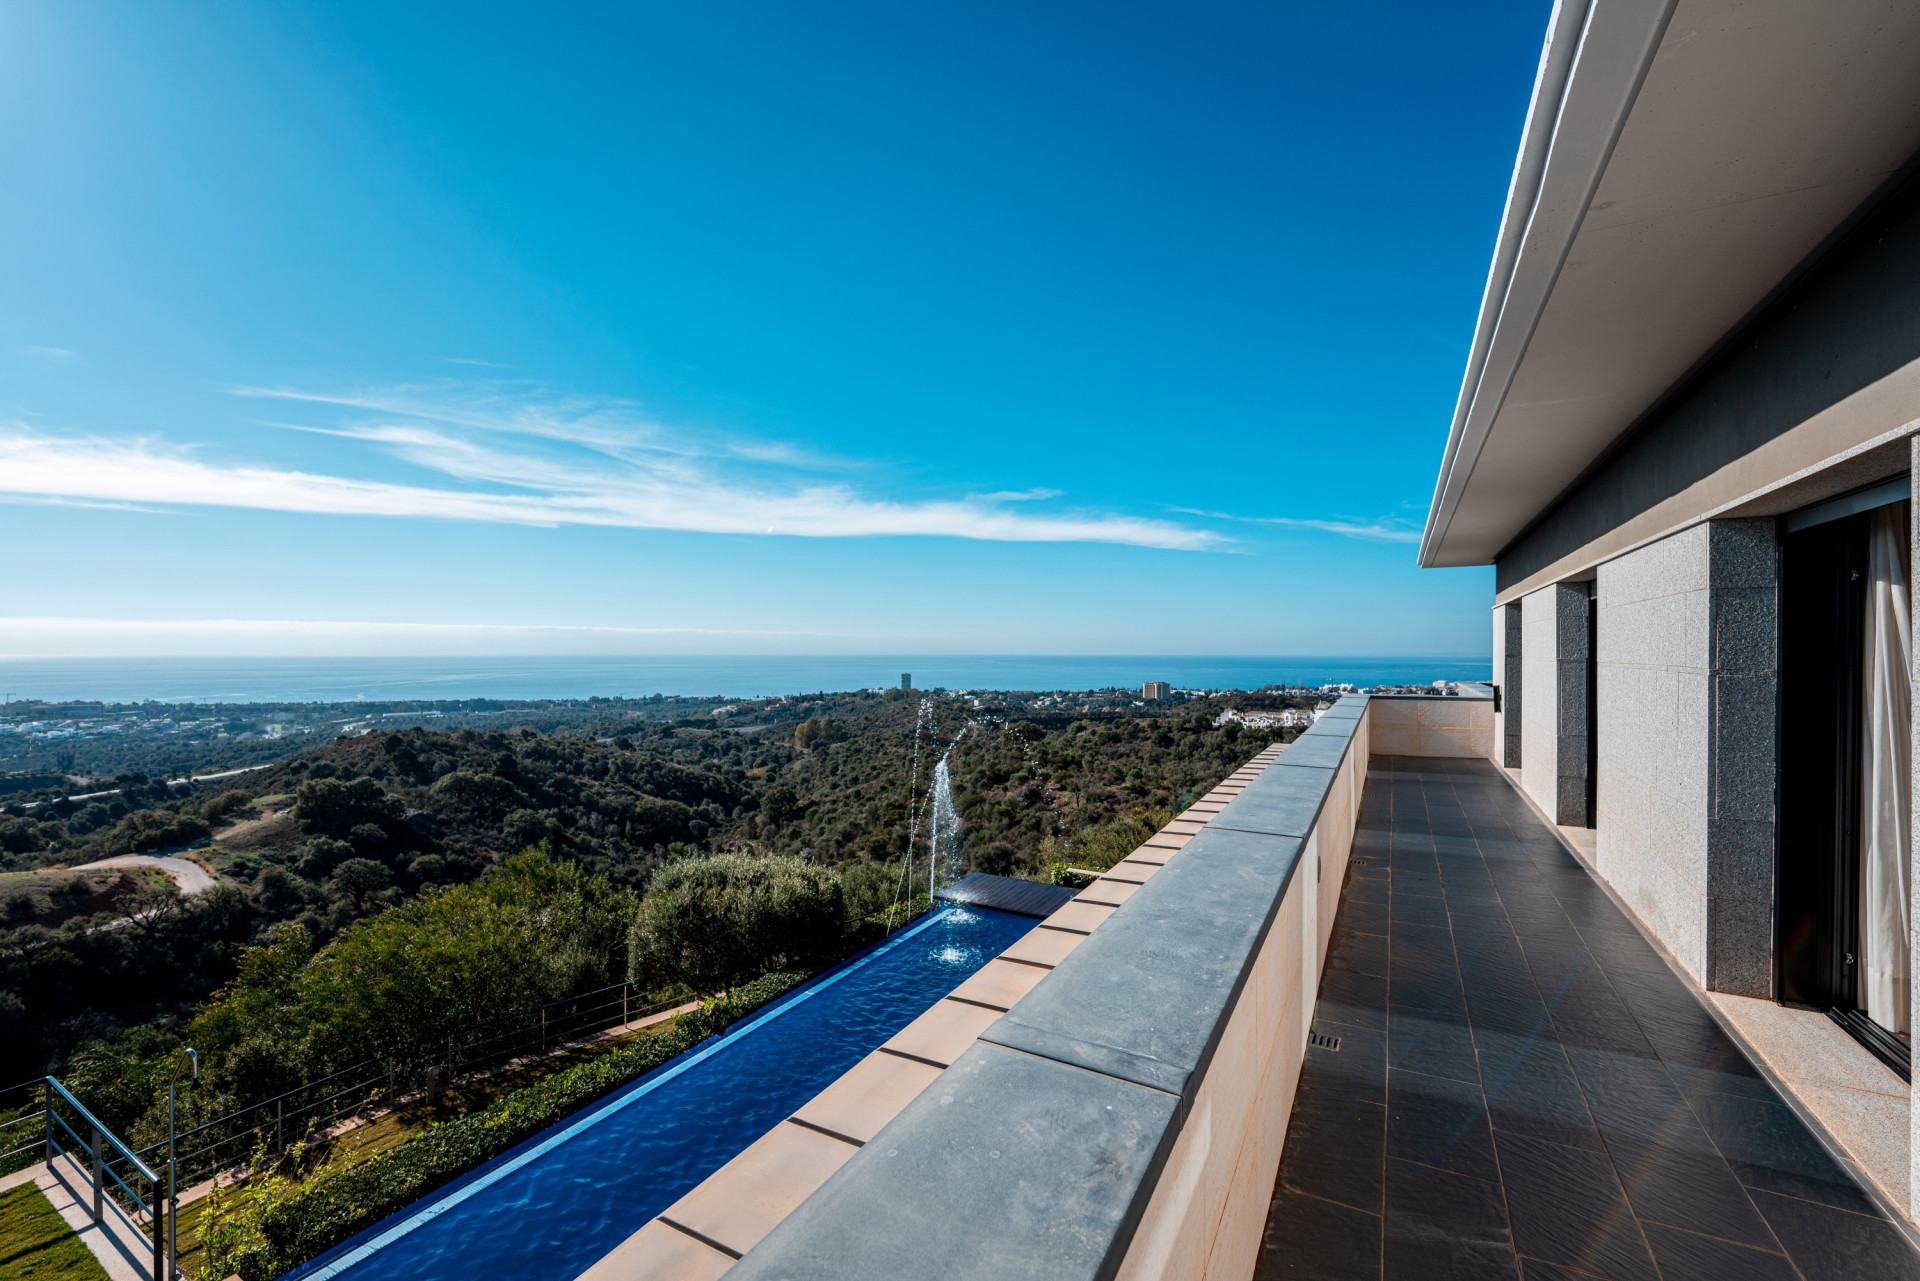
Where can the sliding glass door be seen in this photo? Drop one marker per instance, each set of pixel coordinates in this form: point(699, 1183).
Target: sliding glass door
point(1844, 874)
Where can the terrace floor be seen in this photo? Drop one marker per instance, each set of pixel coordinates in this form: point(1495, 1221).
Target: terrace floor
point(1524, 1088)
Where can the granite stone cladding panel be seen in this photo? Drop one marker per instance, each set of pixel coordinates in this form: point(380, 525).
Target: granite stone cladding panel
point(1553, 735)
point(1688, 683)
point(1507, 643)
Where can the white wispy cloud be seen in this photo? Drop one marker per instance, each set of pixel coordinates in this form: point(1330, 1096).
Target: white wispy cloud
point(31, 636)
point(509, 453)
point(1385, 529)
point(49, 354)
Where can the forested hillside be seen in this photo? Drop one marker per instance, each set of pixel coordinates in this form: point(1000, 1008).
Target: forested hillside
point(358, 827)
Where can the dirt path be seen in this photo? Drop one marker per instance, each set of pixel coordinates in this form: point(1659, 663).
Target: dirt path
point(190, 877)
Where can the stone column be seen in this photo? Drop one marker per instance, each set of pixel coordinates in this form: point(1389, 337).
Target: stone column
point(1743, 768)
point(1506, 675)
point(1689, 688)
point(1553, 733)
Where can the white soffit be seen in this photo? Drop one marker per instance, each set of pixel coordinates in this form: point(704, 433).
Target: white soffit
point(1754, 131)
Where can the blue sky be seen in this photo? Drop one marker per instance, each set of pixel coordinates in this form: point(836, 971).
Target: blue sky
point(741, 328)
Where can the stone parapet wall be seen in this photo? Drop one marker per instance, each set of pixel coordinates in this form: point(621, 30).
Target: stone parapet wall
point(1125, 1117)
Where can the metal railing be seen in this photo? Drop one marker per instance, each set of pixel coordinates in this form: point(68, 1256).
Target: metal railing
point(22, 1124)
point(417, 1070)
point(109, 1163)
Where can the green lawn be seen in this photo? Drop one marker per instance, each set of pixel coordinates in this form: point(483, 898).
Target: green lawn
point(36, 1242)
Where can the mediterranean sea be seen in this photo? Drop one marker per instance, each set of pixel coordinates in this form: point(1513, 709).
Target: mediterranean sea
point(329, 680)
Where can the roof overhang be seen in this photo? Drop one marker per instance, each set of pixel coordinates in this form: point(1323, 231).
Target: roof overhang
point(1681, 160)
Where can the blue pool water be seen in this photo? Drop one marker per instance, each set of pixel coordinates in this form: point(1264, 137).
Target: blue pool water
point(550, 1209)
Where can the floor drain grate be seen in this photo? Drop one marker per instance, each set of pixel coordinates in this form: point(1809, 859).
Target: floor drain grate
point(1320, 1040)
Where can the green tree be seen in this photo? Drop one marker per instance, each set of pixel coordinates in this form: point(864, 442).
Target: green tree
point(817, 732)
point(331, 806)
point(713, 923)
point(145, 830)
point(531, 930)
point(779, 804)
point(360, 879)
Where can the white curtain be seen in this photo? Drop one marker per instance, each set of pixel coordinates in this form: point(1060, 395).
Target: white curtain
point(1885, 928)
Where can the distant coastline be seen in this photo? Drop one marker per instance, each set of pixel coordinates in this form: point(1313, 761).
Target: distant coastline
point(256, 680)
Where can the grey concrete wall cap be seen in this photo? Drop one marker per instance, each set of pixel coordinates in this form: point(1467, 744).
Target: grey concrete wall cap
point(1007, 1166)
point(1146, 996)
point(1283, 801)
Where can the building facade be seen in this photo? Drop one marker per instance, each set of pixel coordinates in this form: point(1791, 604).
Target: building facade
point(1687, 442)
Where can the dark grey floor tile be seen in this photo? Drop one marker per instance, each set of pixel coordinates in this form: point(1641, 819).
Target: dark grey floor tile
point(1628, 1094)
point(1567, 1207)
point(1367, 918)
point(1534, 1095)
point(1367, 890)
point(1439, 1122)
point(1352, 1000)
point(1308, 1239)
point(1421, 882)
point(1475, 937)
point(1444, 1227)
point(1336, 1150)
point(1837, 1245)
point(1420, 946)
point(1476, 905)
point(1357, 1070)
point(1688, 1256)
point(1545, 927)
point(1541, 1270)
point(1361, 953)
point(1501, 848)
point(1586, 1012)
point(1414, 909)
point(1434, 1044)
point(1435, 990)
point(1771, 1151)
point(1682, 1180)
point(1507, 1006)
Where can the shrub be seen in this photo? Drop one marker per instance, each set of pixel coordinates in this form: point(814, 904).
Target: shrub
point(359, 879)
point(262, 1228)
point(870, 887)
point(217, 807)
point(530, 931)
point(712, 923)
point(331, 806)
point(818, 732)
point(1099, 848)
point(482, 793)
point(145, 830)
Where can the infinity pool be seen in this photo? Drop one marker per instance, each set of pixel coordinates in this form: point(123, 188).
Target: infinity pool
point(549, 1209)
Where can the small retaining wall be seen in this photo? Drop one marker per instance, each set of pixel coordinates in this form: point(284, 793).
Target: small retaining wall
point(1413, 725)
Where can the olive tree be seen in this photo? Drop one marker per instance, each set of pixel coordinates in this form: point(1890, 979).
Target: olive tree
point(713, 923)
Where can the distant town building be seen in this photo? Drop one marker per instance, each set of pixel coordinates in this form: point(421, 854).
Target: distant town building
point(906, 680)
point(1156, 689)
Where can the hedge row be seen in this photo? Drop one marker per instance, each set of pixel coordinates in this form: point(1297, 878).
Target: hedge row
point(264, 1230)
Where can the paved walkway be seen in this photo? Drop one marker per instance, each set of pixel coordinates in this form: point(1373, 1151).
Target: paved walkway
point(1523, 1088)
point(188, 875)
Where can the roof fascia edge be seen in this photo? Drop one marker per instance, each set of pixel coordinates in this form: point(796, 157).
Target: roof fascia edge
point(1558, 170)
point(1564, 25)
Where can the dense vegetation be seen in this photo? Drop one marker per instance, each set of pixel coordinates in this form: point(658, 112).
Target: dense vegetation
point(376, 833)
point(267, 1225)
